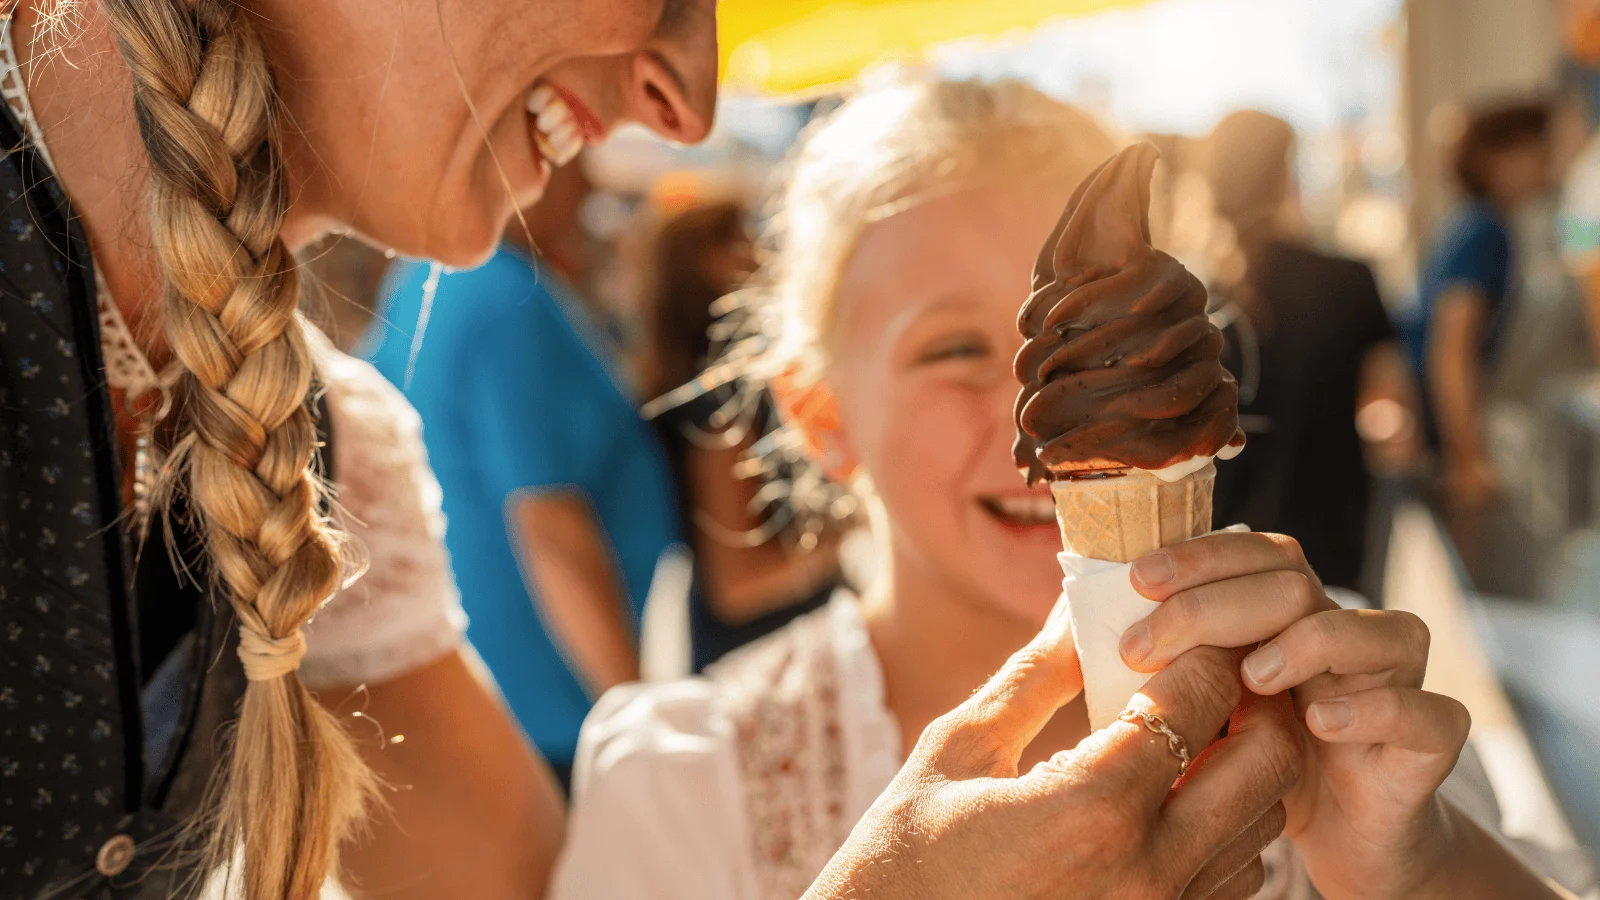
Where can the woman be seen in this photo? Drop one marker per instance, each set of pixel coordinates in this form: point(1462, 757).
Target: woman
point(1309, 341)
point(180, 149)
point(157, 155)
point(908, 222)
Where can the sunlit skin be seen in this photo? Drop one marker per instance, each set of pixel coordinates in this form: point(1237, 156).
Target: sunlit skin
point(406, 118)
point(920, 363)
point(396, 100)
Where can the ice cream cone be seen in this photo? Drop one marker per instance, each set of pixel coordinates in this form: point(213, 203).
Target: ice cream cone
point(1122, 518)
point(1105, 522)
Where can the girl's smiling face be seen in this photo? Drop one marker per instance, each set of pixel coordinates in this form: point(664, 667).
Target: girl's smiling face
point(920, 356)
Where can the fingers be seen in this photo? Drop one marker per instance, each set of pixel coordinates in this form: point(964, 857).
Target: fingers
point(1223, 873)
point(1341, 642)
point(1216, 557)
point(1402, 717)
point(1234, 783)
point(1235, 612)
point(1194, 697)
point(986, 734)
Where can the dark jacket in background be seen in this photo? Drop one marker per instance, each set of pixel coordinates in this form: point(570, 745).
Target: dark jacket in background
point(1298, 359)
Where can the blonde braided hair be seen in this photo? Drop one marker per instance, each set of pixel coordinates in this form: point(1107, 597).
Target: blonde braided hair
point(209, 114)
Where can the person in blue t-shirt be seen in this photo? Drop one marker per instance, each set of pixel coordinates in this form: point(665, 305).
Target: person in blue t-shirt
point(558, 497)
point(1502, 163)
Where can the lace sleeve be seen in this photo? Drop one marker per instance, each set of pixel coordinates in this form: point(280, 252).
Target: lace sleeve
point(405, 611)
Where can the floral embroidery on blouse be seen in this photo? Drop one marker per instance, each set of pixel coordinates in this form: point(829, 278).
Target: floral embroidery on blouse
point(782, 696)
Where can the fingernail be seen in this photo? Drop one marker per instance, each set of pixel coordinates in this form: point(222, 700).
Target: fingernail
point(1263, 665)
point(1154, 569)
point(1332, 715)
point(1136, 642)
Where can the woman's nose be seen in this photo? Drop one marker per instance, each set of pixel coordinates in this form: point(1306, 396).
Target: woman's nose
point(676, 102)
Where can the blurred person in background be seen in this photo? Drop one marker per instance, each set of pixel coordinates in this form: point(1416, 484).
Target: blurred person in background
point(1310, 344)
point(1502, 164)
point(1579, 218)
point(559, 499)
point(888, 326)
point(756, 567)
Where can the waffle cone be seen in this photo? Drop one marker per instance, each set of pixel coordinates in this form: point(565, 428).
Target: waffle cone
point(1121, 519)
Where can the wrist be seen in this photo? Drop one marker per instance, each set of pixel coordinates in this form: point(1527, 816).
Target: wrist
point(1415, 861)
point(1436, 856)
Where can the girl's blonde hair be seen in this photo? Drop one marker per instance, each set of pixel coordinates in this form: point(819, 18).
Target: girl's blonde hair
point(210, 118)
point(905, 137)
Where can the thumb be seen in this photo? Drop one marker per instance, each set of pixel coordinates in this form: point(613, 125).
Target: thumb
point(985, 735)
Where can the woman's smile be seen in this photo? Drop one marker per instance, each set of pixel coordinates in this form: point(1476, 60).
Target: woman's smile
point(561, 124)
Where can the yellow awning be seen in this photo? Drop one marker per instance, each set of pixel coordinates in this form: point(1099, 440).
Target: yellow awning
point(804, 46)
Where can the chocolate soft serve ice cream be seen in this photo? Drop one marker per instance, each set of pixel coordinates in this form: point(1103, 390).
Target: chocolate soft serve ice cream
point(1124, 399)
point(1121, 368)
point(1124, 404)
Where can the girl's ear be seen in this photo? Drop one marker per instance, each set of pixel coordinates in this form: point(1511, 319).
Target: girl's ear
point(1107, 222)
point(814, 412)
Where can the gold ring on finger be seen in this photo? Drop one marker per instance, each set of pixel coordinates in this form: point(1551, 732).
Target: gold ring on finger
point(1175, 742)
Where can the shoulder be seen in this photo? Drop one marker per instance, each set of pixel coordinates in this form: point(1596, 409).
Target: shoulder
point(658, 808)
point(373, 423)
point(386, 491)
point(635, 731)
point(635, 723)
point(404, 610)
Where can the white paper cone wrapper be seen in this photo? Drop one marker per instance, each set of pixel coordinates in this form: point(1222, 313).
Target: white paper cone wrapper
point(1103, 603)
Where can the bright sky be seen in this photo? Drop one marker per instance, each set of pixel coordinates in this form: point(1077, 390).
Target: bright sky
point(1180, 65)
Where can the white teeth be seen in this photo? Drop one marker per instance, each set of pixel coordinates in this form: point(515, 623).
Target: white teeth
point(1025, 510)
point(540, 97)
point(562, 134)
point(553, 114)
point(556, 127)
point(566, 144)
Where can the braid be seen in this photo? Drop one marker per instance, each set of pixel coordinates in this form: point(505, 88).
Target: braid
point(208, 114)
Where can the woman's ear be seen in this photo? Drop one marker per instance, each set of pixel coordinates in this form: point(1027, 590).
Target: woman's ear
point(812, 409)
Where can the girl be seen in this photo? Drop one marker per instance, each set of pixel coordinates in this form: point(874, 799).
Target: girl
point(909, 221)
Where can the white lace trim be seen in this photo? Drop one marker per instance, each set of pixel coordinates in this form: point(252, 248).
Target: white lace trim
point(126, 367)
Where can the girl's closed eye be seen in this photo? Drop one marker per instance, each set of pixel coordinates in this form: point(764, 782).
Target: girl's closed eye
point(954, 348)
